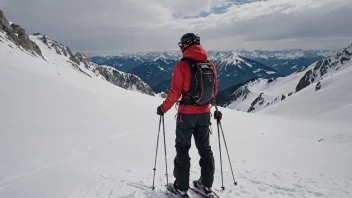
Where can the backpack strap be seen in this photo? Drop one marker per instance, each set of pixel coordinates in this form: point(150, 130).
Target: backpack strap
point(189, 100)
point(188, 60)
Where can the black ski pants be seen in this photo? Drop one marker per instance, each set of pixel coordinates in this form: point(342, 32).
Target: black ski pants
point(198, 126)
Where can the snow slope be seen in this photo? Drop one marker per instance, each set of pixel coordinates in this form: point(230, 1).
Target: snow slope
point(64, 134)
point(330, 75)
point(270, 92)
point(58, 54)
point(332, 101)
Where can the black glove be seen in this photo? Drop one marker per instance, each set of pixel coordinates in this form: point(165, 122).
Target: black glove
point(159, 111)
point(217, 115)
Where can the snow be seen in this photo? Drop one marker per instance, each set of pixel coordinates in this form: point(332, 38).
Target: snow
point(258, 70)
point(331, 102)
point(274, 90)
point(70, 135)
point(270, 72)
point(290, 54)
point(157, 58)
point(162, 69)
point(161, 95)
point(233, 59)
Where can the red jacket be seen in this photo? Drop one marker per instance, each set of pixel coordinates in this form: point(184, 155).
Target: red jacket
point(181, 80)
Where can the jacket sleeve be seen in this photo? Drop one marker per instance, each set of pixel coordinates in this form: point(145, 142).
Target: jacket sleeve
point(177, 80)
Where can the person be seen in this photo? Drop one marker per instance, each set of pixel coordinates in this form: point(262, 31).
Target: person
point(192, 119)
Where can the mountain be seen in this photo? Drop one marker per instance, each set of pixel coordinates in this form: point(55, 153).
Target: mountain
point(155, 71)
point(14, 39)
point(284, 61)
point(288, 61)
point(17, 36)
point(128, 61)
point(162, 86)
point(233, 69)
point(122, 63)
point(319, 77)
point(157, 68)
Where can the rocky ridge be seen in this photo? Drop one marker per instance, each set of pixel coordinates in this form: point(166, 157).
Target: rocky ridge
point(78, 61)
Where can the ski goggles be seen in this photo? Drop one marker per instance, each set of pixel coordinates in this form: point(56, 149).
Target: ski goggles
point(180, 44)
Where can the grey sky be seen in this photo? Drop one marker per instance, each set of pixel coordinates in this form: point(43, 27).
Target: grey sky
point(141, 25)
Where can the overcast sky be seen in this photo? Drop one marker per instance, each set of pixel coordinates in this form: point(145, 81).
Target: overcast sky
point(149, 25)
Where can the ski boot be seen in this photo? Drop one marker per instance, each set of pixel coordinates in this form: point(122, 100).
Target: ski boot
point(173, 189)
point(208, 192)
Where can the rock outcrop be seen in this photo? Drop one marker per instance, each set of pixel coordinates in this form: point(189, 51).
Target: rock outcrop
point(18, 35)
point(124, 80)
point(83, 59)
point(257, 102)
point(322, 67)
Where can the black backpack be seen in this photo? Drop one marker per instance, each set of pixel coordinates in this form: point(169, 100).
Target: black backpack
point(202, 83)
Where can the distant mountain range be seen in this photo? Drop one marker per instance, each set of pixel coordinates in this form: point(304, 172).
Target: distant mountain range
point(287, 61)
point(259, 93)
point(234, 67)
point(127, 62)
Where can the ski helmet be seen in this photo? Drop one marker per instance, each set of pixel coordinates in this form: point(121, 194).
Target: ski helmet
point(187, 40)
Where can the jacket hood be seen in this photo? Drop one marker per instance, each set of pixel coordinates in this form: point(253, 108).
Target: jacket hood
point(196, 52)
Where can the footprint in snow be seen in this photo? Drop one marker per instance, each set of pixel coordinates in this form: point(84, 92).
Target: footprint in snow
point(261, 189)
point(318, 194)
point(255, 181)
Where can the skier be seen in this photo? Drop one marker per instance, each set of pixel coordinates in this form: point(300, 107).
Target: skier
point(194, 115)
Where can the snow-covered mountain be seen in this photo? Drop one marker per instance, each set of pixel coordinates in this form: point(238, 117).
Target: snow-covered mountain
point(284, 61)
point(17, 36)
point(14, 39)
point(158, 70)
point(267, 64)
point(233, 69)
point(259, 93)
point(127, 62)
point(122, 62)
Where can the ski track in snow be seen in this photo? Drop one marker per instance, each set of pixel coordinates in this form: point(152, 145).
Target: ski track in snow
point(45, 167)
point(257, 182)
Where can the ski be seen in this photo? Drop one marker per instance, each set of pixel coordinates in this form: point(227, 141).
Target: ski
point(201, 194)
point(197, 192)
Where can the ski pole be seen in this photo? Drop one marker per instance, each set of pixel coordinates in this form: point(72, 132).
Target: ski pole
point(223, 135)
point(156, 153)
point(222, 176)
point(167, 177)
point(233, 176)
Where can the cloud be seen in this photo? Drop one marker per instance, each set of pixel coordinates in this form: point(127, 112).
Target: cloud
point(138, 25)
